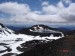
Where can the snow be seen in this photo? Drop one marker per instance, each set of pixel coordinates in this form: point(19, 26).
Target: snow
point(10, 39)
point(3, 53)
point(0, 26)
point(2, 48)
point(42, 30)
point(14, 44)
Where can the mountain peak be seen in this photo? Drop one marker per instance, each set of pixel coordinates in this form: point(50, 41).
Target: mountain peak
point(4, 30)
point(40, 25)
point(2, 26)
point(40, 30)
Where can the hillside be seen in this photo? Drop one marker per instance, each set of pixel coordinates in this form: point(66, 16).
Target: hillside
point(61, 47)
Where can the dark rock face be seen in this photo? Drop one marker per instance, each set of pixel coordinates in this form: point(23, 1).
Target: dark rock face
point(61, 47)
point(2, 25)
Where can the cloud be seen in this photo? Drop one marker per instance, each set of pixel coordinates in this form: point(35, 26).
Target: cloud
point(60, 5)
point(49, 9)
point(68, 13)
point(67, 1)
point(17, 12)
point(14, 8)
point(45, 3)
point(60, 12)
point(22, 13)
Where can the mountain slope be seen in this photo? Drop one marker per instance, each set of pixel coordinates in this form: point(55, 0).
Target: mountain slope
point(4, 30)
point(13, 44)
point(41, 30)
point(61, 47)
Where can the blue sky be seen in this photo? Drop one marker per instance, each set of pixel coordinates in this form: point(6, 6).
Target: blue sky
point(34, 4)
point(37, 11)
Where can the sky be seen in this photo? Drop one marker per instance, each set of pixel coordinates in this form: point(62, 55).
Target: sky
point(37, 11)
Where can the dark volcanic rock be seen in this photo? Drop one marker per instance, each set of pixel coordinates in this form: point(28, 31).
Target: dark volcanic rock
point(10, 54)
point(61, 47)
point(3, 44)
point(24, 47)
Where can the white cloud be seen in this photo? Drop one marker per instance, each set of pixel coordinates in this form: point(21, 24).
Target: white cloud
point(45, 3)
point(14, 8)
point(21, 13)
point(62, 13)
point(50, 9)
point(67, 1)
point(60, 5)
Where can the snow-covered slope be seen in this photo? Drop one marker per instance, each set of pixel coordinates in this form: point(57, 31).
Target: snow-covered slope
point(4, 30)
point(10, 41)
point(42, 29)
